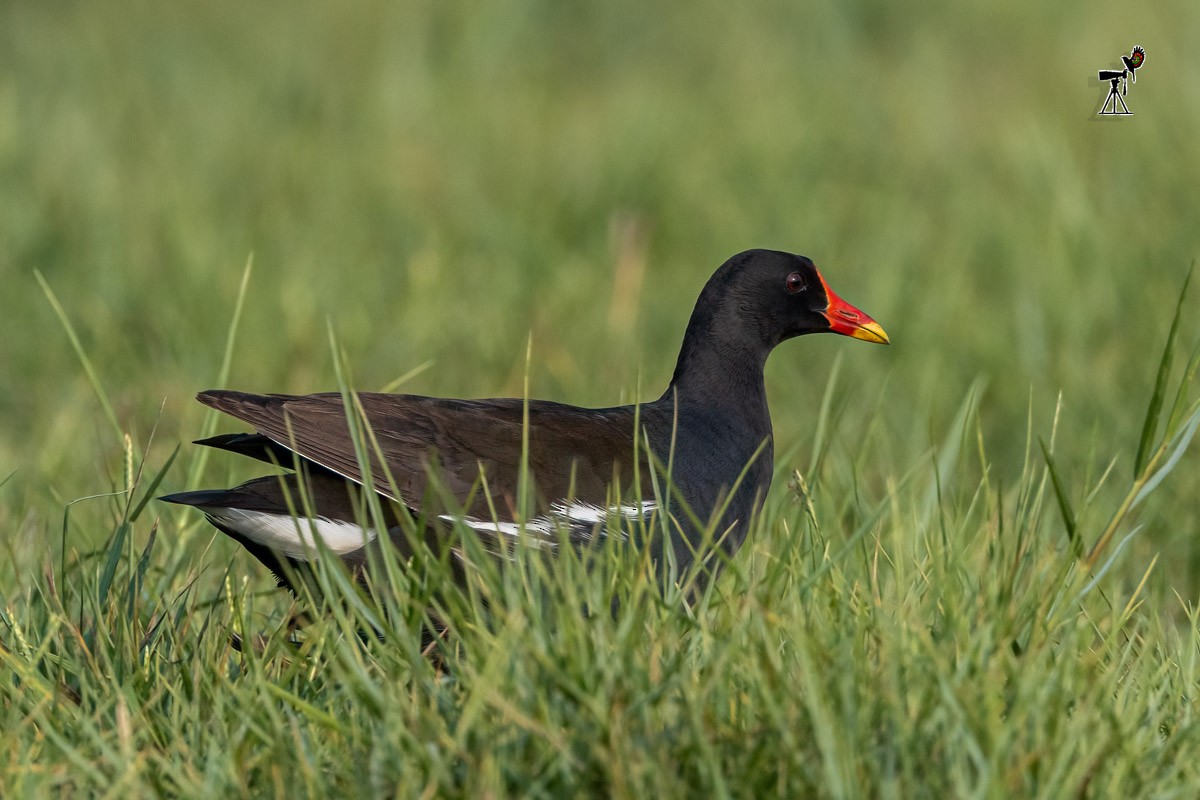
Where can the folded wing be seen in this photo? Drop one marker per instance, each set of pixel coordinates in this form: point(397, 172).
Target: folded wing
point(574, 454)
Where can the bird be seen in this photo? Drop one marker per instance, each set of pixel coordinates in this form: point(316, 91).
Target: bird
point(1134, 60)
point(447, 462)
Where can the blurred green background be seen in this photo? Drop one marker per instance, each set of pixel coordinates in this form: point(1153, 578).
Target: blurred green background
point(441, 180)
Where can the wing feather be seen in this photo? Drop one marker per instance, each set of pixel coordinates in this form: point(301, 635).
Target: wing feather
point(574, 453)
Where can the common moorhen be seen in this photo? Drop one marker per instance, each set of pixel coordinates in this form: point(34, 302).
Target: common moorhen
point(711, 427)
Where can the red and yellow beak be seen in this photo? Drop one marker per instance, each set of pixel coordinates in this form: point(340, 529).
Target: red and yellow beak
point(849, 321)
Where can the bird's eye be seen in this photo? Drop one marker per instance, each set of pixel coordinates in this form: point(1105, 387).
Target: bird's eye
point(795, 283)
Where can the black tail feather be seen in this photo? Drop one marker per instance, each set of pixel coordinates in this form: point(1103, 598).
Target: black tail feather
point(211, 498)
point(253, 445)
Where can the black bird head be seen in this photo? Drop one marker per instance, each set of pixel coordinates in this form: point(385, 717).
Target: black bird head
point(781, 295)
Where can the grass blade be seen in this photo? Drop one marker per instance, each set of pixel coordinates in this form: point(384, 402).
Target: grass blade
point(114, 557)
point(1182, 441)
point(153, 487)
point(211, 417)
point(395, 384)
point(88, 369)
point(823, 421)
point(138, 579)
point(947, 456)
point(1108, 564)
point(1181, 396)
point(1154, 410)
point(1060, 493)
point(310, 711)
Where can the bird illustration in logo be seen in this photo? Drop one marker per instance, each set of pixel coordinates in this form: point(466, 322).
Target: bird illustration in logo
point(1134, 60)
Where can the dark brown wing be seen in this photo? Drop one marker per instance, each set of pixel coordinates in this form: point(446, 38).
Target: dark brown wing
point(574, 453)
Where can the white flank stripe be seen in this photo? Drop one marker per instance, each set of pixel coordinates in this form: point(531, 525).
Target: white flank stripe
point(587, 513)
point(290, 536)
point(577, 515)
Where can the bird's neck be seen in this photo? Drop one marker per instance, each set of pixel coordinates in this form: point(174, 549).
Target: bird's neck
point(720, 433)
point(717, 402)
point(722, 375)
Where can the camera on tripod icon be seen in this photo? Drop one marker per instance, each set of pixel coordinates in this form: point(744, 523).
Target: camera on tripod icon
point(1119, 81)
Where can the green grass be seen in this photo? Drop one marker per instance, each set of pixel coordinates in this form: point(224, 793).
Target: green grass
point(918, 612)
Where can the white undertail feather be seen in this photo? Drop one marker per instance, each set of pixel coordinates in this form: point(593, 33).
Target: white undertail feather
point(290, 536)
